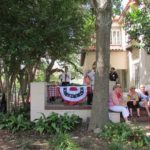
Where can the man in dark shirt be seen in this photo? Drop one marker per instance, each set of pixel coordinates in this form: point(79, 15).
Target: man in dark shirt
point(113, 78)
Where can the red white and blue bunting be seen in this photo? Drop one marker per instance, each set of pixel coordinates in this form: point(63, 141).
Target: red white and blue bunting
point(73, 93)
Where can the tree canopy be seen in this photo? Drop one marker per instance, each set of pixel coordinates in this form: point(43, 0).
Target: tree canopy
point(33, 29)
point(137, 24)
point(29, 28)
point(116, 7)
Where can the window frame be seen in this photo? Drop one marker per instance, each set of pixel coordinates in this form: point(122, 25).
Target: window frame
point(115, 37)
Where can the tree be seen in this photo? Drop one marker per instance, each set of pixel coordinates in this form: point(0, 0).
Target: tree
point(99, 114)
point(72, 31)
point(116, 7)
point(30, 29)
point(137, 24)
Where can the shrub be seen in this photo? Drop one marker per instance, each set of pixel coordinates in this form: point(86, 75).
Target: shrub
point(14, 122)
point(139, 139)
point(56, 123)
point(116, 132)
point(23, 109)
point(52, 124)
point(121, 132)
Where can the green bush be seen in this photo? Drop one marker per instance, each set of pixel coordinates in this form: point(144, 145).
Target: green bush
point(123, 133)
point(116, 132)
point(23, 109)
point(56, 123)
point(139, 139)
point(52, 124)
point(14, 123)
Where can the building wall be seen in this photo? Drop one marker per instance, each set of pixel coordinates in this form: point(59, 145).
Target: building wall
point(89, 60)
point(118, 55)
point(139, 70)
point(144, 67)
point(119, 60)
point(134, 67)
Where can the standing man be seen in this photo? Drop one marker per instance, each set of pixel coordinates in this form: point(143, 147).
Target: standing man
point(113, 78)
point(91, 76)
point(65, 77)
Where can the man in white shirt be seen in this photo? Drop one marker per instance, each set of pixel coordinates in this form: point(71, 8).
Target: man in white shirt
point(65, 77)
point(91, 76)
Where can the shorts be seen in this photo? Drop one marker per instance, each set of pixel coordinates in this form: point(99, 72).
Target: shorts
point(141, 102)
point(130, 105)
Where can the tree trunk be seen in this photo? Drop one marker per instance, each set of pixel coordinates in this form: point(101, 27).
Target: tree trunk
point(48, 70)
point(99, 115)
point(30, 77)
point(8, 93)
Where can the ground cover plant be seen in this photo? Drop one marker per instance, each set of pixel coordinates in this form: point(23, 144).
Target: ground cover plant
point(123, 133)
point(53, 123)
point(66, 132)
point(59, 125)
point(16, 120)
point(64, 141)
point(56, 123)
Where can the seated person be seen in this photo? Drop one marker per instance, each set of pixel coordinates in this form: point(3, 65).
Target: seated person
point(133, 101)
point(117, 104)
point(143, 98)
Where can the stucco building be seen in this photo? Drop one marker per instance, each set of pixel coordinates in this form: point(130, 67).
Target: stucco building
point(132, 64)
point(118, 53)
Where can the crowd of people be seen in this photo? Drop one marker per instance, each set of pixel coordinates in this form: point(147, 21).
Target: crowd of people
point(136, 98)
